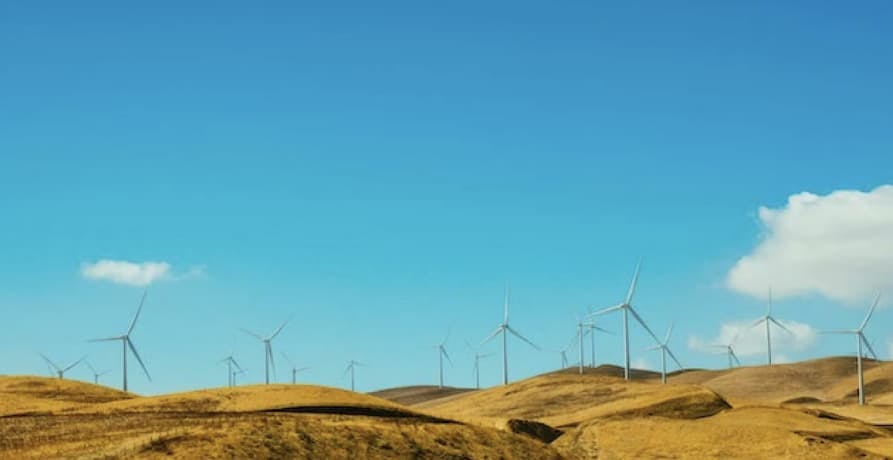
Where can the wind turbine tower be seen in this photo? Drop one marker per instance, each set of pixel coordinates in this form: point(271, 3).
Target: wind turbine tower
point(664, 348)
point(504, 328)
point(768, 320)
point(60, 371)
point(860, 340)
point(127, 343)
point(268, 349)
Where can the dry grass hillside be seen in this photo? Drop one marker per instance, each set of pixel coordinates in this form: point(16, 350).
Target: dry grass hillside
point(802, 410)
point(418, 394)
point(276, 421)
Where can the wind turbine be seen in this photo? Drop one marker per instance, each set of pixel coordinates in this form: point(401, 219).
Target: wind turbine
point(767, 320)
point(127, 343)
point(581, 333)
point(351, 365)
point(235, 373)
point(591, 328)
point(268, 350)
point(730, 351)
point(60, 371)
point(230, 375)
point(294, 369)
point(442, 353)
point(664, 351)
point(477, 364)
point(96, 374)
point(504, 329)
point(860, 339)
point(627, 309)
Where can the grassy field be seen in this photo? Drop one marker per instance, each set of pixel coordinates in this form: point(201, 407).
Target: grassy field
point(801, 410)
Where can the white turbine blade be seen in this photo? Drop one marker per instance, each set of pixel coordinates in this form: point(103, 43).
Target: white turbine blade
point(494, 334)
point(137, 356)
point(870, 311)
point(446, 355)
point(54, 366)
point(90, 367)
point(107, 339)
point(508, 293)
point(780, 325)
point(605, 311)
point(287, 359)
point(868, 345)
point(602, 330)
point(840, 331)
point(632, 284)
point(103, 373)
point(642, 322)
point(669, 352)
point(758, 322)
point(346, 370)
point(769, 305)
point(253, 334)
point(278, 330)
point(75, 364)
point(735, 357)
point(301, 369)
point(485, 355)
point(357, 363)
point(518, 335)
point(669, 334)
point(656, 347)
point(138, 310)
point(235, 363)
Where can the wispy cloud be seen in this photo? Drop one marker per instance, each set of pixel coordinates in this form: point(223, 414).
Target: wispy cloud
point(640, 363)
point(836, 245)
point(751, 341)
point(135, 273)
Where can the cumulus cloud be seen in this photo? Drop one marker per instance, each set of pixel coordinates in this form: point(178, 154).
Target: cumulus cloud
point(134, 274)
point(837, 245)
point(751, 341)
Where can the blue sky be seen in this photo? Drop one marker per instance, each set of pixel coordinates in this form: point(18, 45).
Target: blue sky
point(381, 172)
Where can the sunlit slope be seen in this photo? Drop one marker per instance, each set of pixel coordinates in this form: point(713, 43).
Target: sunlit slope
point(418, 394)
point(746, 433)
point(275, 421)
point(565, 399)
point(826, 379)
point(22, 394)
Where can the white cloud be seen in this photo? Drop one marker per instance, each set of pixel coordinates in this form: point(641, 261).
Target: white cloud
point(135, 274)
point(751, 341)
point(837, 245)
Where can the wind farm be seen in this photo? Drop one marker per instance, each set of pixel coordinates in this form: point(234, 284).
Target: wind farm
point(446, 230)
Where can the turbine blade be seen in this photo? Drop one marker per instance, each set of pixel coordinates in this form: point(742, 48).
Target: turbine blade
point(494, 334)
point(287, 359)
point(518, 335)
point(780, 325)
point(253, 334)
point(656, 347)
point(278, 330)
point(75, 364)
point(235, 363)
point(272, 361)
point(138, 310)
point(632, 284)
point(90, 367)
point(669, 334)
point(602, 330)
point(52, 364)
point(346, 370)
point(108, 339)
point(605, 311)
point(839, 331)
point(137, 356)
point(736, 357)
point(670, 352)
point(642, 322)
point(446, 355)
point(508, 293)
point(758, 322)
point(868, 345)
point(301, 369)
point(870, 311)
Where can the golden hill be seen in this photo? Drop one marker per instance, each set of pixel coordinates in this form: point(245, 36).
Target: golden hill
point(276, 421)
point(418, 394)
point(23, 394)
